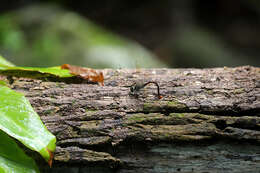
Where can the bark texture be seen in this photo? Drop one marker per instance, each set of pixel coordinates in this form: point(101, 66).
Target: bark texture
point(92, 122)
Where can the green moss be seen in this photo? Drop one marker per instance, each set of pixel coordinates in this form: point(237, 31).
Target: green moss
point(160, 106)
point(144, 118)
point(176, 104)
point(136, 118)
point(151, 107)
point(90, 110)
point(73, 102)
point(239, 91)
point(210, 92)
point(147, 106)
point(179, 115)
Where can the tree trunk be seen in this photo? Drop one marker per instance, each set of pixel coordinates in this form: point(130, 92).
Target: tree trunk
point(108, 128)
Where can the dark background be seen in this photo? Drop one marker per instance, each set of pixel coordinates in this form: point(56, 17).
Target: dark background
point(187, 33)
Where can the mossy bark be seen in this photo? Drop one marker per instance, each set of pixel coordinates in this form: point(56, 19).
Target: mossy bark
point(92, 122)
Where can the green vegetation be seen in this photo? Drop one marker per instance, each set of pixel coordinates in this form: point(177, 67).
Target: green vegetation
point(150, 107)
point(13, 158)
point(20, 121)
point(179, 115)
point(53, 36)
point(138, 117)
point(239, 91)
point(35, 71)
point(4, 63)
point(176, 104)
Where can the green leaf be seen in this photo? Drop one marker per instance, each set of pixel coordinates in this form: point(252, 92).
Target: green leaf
point(19, 120)
point(13, 158)
point(36, 72)
point(56, 71)
point(5, 63)
point(7, 68)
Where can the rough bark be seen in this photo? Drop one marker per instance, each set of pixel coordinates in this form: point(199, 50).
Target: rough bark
point(92, 122)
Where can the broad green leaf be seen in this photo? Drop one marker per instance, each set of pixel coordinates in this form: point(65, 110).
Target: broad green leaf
point(36, 71)
point(5, 63)
point(13, 158)
point(56, 71)
point(19, 120)
point(7, 67)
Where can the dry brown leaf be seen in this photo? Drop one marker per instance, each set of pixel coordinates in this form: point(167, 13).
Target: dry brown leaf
point(85, 73)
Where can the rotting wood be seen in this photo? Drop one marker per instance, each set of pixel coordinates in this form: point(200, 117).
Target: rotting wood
point(91, 121)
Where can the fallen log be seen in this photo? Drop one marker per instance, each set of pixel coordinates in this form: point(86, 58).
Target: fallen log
point(93, 123)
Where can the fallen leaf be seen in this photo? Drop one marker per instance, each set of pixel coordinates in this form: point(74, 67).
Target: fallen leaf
point(85, 73)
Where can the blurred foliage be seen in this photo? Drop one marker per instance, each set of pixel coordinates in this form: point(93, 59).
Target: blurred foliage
point(198, 47)
point(48, 36)
point(188, 33)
